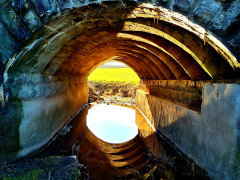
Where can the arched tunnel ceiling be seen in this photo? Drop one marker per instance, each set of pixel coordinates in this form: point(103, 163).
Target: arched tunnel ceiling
point(156, 43)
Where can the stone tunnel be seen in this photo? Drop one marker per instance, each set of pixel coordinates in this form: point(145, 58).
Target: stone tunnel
point(186, 53)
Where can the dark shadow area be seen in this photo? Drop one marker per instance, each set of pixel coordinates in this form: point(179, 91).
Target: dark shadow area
point(9, 131)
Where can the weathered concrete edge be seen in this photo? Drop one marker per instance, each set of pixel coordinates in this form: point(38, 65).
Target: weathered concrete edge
point(35, 130)
point(218, 152)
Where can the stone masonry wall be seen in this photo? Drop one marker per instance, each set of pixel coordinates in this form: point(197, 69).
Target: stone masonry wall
point(37, 110)
point(210, 137)
point(20, 19)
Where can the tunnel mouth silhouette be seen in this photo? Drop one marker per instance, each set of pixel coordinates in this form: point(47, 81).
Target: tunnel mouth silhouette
point(157, 43)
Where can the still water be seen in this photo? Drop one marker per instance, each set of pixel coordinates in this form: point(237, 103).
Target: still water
point(112, 123)
point(146, 156)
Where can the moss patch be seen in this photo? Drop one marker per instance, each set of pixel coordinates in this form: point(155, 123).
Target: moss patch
point(53, 167)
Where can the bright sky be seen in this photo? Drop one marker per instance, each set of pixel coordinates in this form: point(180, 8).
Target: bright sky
point(114, 63)
point(111, 123)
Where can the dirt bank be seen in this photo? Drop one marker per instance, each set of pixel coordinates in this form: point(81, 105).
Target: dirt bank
point(112, 92)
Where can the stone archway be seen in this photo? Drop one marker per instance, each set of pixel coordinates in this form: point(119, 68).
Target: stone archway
point(182, 67)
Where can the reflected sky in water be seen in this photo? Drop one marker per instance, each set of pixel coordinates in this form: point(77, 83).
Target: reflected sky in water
point(111, 123)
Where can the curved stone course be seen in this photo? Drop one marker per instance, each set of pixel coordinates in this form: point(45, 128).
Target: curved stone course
point(19, 19)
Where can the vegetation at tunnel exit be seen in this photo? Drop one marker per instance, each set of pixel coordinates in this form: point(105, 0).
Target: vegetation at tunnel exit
point(113, 85)
point(114, 75)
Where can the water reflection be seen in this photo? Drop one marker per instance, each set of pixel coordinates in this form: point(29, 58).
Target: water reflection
point(146, 156)
point(112, 123)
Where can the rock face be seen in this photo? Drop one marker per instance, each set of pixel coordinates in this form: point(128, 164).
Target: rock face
point(7, 48)
point(227, 18)
point(206, 10)
point(184, 6)
point(53, 167)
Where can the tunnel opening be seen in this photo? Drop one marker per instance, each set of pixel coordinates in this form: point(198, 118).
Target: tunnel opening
point(113, 83)
point(186, 75)
point(112, 92)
